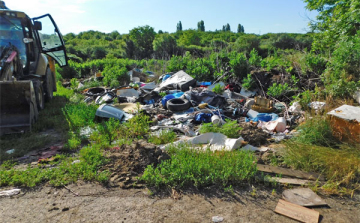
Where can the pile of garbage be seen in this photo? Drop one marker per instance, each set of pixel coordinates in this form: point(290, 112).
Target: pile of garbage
point(180, 103)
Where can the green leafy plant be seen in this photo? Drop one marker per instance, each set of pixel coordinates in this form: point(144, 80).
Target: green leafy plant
point(277, 90)
point(163, 137)
point(218, 89)
point(248, 82)
point(230, 128)
point(74, 83)
point(109, 129)
point(255, 59)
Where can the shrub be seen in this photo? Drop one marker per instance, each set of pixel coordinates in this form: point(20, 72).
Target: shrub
point(115, 73)
point(277, 90)
point(239, 65)
point(255, 59)
point(218, 89)
point(316, 63)
point(247, 82)
point(109, 130)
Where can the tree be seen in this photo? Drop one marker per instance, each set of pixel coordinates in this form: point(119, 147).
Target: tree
point(227, 27)
point(115, 35)
point(179, 26)
point(336, 19)
point(240, 28)
point(160, 32)
point(338, 23)
point(143, 38)
point(190, 37)
point(201, 26)
point(164, 45)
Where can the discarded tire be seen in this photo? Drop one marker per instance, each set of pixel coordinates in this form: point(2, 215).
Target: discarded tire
point(178, 104)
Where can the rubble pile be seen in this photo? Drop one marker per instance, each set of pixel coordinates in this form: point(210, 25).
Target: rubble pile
point(128, 162)
point(180, 103)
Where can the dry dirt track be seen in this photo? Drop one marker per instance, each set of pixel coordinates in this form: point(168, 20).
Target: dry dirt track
point(98, 204)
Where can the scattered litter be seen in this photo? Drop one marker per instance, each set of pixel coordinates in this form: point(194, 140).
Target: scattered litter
point(345, 121)
point(297, 212)
point(289, 181)
point(217, 219)
point(10, 151)
point(214, 141)
point(247, 93)
point(105, 98)
point(303, 197)
point(295, 108)
point(75, 161)
point(179, 80)
point(48, 153)
point(289, 172)
point(250, 147)
point(249, 103)
point(317, 105)
point(127, 92)
point(95, 92)
point(279, 125)
point(86, 131)
point(357, 96)
point(148, 86)
point(107, 111)
point(128, 107)
point(263, 105)
point(8, 193)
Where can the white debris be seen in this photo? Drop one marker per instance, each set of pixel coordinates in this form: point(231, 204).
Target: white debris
point(9, 192)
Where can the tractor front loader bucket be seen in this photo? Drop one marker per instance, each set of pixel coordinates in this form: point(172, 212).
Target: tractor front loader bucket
point(18, 108)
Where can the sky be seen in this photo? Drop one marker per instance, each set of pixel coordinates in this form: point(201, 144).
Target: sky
point(257, 16)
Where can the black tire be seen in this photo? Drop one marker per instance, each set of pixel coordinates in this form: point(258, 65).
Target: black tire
point(33, 114)
point(49, 85)
point(39, 95)
point(178, 104)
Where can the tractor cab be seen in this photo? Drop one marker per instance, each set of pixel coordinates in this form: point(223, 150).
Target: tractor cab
point(31, 37)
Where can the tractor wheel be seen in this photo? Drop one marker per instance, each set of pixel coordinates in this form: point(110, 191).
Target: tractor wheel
point(39, 95)
point(49, 85)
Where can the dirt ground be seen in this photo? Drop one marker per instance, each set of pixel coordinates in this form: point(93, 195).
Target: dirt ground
point(96, 203)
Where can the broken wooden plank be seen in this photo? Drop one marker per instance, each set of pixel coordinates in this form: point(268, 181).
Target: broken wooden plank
point(289, 181)
point(303, 197)
point(289, 172)
point(297, 212)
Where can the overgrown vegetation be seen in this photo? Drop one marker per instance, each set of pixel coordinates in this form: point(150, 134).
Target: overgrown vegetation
point(316, 149)
point(192, 167)
point(68, 171)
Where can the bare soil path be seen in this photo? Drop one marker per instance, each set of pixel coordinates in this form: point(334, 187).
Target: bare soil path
point(96, 203)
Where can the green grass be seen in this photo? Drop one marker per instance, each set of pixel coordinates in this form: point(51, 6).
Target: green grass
point(341, 166)
point(51, 118)
point(91, 159)
point(163, 137)
point(231, 128)
point(316, 131)
point(192, 167)
point(315, 149)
